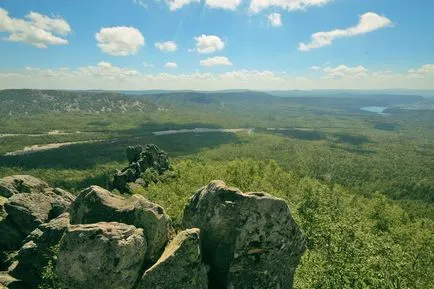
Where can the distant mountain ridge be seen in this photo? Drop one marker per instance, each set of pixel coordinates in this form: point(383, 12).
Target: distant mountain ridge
point(13, 102)
point(29, 102)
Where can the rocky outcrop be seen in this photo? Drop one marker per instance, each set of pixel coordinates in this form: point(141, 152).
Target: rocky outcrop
point(96, 204)
point(232, 240)
point(140, 160)
point(29, 202)
point(249, 240)
point(102, 255)
point(38, 250)
point(180, 266)
point(9, 282)
point(21, 184)
point(29, 211)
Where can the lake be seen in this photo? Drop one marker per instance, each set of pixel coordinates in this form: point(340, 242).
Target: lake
point(374, 109)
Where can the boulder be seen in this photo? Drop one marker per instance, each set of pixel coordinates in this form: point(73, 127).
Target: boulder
point(21, 184)
point(249, 240)
point(28, 211)
point(11, 236)
point(180, 266)
point(38, 250)
point(3, 214)
point(133, 153)
point(140, 160)
point(102, 255)
point(96, 204)
point(153, 158)
point(9, 282)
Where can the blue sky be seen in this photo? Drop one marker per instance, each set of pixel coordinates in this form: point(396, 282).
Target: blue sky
point(217, 44)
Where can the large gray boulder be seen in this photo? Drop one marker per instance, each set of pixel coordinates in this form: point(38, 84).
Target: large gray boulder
point(21, 213)
point(180, 266)
point(38, 250)
point(96, 204)
point(102, 255)
point(21, 184)
point(249, 240)
point(28, 211)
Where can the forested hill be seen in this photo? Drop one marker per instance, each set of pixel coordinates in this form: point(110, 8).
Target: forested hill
point(30, 102)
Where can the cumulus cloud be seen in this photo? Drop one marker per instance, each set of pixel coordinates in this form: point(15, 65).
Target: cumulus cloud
point(223, 4)
point(35, 29)
point(171, 65)
point(145, 64)
point(141, 3)
point(120, 40)
point(316, 67)
point(106, 69)
point(289, 5)
point(208, 43)
point(424, 69)
point(104, 75)
point(275, 19)
point(178, 4)
point(217, 60)
point(345, 71)
point(168, 46)
point(368, 22)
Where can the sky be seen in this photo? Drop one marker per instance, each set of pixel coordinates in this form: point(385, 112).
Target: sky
point(217, 44)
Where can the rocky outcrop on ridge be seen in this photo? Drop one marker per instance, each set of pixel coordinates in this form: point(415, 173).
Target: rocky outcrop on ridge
point(140, 160)
point(228, 239)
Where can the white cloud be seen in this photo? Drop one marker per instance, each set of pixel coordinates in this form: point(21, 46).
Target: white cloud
point(316, 68)
point(345, 71)
point(171, 65)
point(120, 40)
point(107, 76)
point(141, 3)
point(168, 46)
point(424, 69)
point(208, 43)
point(275, 19)
point(223, 4)
point(106, 69)
point(217, 60)
point(145, 64)
point(177, 4)
point(36, 29)
point(368, 22)
point(289, 5)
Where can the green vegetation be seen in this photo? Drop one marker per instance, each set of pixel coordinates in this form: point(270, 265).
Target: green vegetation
point(360, 185)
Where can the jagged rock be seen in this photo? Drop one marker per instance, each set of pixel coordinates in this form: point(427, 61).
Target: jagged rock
point(133, 153)
point(249, 240)
point(21, 184)
point(153, 158)
point(28, 211)
point(140, 160)
point(102, 255)
point(38, 250)
point(127, 175)
point(180, 266)
point(9, 282)
point(96, 204)
point(2, 208)
point(11, 236)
